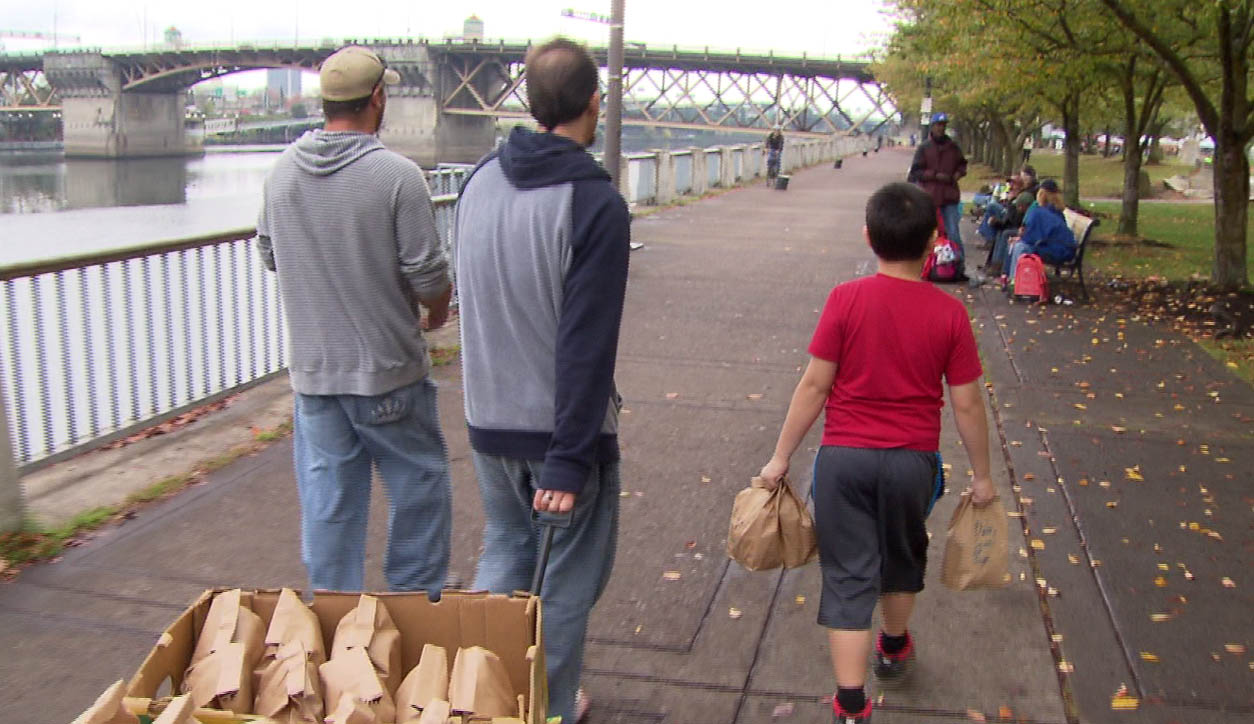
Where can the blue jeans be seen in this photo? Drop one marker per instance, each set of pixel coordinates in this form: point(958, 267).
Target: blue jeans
point(1002, 247)
point(337, 437)
point(580, 560)
point(994, 211)
point(951, 214)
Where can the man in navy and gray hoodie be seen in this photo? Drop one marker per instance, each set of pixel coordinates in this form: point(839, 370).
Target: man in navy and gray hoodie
point(541, 262)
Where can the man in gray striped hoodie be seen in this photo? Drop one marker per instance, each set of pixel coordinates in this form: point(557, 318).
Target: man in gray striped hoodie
point(349, 227)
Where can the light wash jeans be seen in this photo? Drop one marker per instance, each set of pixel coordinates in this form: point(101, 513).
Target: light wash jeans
point(337, 437)
point(579, 562)
point(951, 214)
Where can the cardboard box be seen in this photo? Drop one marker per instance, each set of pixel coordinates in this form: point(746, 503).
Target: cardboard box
point(509, 626)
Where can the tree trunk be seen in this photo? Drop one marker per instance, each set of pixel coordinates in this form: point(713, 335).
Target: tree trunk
point(1071, 149)
point(1012, 155)
point(1232, 206)
point(1131, 189)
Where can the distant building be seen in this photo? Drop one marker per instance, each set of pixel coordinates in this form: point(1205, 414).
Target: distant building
point(472, 29)
point(283, 85)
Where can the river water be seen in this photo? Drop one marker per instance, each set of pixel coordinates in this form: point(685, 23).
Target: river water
point(51, 206)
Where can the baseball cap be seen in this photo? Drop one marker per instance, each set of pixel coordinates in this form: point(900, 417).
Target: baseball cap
point(1050, 185)
point(353, 72)
point(940, 117)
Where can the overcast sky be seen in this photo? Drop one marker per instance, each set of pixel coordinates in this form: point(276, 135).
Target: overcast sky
point(816, 27)
point(819, 27)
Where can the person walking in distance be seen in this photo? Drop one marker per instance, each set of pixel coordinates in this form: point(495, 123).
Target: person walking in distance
point(350, 230)
point(774, 153)
point(938, 164)
point(542, 245)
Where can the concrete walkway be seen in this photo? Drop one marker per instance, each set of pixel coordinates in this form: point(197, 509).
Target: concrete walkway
point(721, 304)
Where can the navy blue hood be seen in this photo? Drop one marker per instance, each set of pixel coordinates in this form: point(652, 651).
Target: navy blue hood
point(533, 160)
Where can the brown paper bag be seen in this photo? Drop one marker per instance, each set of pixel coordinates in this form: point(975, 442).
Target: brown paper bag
point(289, 689)
point(227, 651)
point(179, 711)
point(222, 680)
point(108, 708)
point(351, 673)
point(480, 684)
point(352, 711)
point(770, 528)
point(427, 682)
point(436, 712)
point(369, 627)
point(230, 620)
point(294, 621)
point(976, 547)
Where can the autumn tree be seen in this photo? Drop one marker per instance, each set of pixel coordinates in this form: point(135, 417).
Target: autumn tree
point(1199, 41)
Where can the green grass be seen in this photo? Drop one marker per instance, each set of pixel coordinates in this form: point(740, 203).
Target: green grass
point(1177, 241)
point(1099, 177)
point(36, 543)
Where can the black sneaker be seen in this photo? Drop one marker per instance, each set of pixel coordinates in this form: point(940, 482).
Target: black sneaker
point(840, 716)
point(892, 669)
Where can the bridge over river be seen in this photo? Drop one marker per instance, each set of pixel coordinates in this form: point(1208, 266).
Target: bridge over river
point(129, 103)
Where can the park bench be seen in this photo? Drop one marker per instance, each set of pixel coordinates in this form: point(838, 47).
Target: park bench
point(1082, 227)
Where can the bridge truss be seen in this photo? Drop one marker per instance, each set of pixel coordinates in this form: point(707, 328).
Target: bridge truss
point(23, 86)
point(670, 87)
point(692, 89)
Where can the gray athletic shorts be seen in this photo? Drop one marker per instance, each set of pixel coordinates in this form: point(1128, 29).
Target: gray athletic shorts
point(870, 509)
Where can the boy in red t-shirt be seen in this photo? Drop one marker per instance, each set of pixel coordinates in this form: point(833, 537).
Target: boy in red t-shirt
point(881, 350)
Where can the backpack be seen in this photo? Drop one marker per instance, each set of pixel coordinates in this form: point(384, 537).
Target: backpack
point(1030, 280)
point(942, 262)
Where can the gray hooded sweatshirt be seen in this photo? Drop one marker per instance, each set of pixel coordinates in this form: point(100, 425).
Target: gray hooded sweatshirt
point(349, 227)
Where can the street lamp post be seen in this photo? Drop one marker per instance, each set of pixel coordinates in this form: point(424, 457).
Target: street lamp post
point(614, 101)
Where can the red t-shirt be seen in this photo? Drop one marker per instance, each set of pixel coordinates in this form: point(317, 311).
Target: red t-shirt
point(892, 341)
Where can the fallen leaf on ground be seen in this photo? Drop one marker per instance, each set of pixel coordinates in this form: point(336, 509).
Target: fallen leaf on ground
point(672, 575)
point(976, 716)
point(755, 396)
point(1234, 648)
point(672, 395)
point(1029, 476)
point(1123, 701)
point(784, 709)
point(1004, 712)
point(1134, 473)
point(734, 613)
point(705, 479)
point(1160, 617)
point(1038, 544)
point(1066, 667)
point(1227, 582)
point(1147, 656)
point(800, 600)
point(1160, 582)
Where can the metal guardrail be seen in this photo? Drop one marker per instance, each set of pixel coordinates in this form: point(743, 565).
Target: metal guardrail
point(100, 345)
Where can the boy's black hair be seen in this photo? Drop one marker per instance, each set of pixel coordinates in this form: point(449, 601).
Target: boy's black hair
point(900, 219)
point(561, 80)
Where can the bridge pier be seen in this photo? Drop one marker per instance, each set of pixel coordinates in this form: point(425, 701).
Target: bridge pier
point(416, 128)
point(101, 120)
